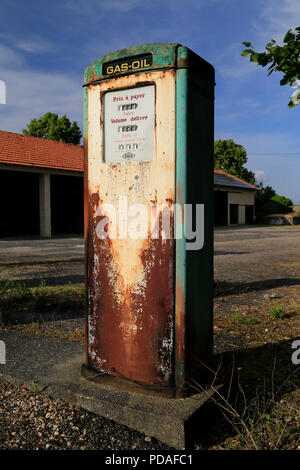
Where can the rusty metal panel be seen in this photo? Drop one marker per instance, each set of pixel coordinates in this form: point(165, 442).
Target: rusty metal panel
point(130, 283)
point(163, 54)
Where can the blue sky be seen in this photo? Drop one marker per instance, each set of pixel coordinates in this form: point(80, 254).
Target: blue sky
point(45, 47)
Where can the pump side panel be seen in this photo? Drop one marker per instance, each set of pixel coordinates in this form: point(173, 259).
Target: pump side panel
point(199, 263)
point(130, 283)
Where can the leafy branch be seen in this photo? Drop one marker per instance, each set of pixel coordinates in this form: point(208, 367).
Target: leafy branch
point(278, 58)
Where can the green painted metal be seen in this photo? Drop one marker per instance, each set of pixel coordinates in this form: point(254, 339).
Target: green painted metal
point(164, 56)
point(180, 253)
point(85, 144)
point(194, 185)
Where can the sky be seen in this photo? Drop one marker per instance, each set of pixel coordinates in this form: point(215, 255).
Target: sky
point(45, 47)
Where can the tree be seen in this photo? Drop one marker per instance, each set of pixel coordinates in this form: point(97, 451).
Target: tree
point(50, 126)
point(268, 202)
point(231, 157)
point(281, 204)
point(283, 58)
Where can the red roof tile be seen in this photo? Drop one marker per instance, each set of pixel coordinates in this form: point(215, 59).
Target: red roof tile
point(221, 172)
point(18, 149)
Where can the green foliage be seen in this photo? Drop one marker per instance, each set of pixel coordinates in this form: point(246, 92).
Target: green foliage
point(14, 295)
point(36, 389)
point(231, 158)
point(283, 58)
point(296, 307)
point(268, 202)
point(52, 127)
point(14, 290)
point(236, 317)
point(278, 205)
point(278, 311)
point(282, 204)
point(262, 199)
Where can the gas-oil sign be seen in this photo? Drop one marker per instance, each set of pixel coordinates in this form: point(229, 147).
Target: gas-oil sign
point(129, 117)
point(130, 64)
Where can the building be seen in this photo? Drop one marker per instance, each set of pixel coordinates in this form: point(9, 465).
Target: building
point(41, 186)
point(41, 189)
point(233, 200)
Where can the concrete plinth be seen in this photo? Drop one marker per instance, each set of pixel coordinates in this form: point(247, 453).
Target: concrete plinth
point(57, 364)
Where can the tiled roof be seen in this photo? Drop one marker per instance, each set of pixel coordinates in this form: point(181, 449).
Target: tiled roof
point(225, 179)
point(17, 149)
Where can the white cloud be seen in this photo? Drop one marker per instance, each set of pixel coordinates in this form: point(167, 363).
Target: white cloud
point(266, 142)
point(9, 58)
point(232, 67)
point(250, 103)
point(271, 153)
point(33, 45)
point(119, 5)
point(32, 93)
point(259, 175)
point(276, 18)
point(94, 8)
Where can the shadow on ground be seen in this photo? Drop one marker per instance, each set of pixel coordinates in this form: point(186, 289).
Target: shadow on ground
point(259, 375)
point(14, 264)
point(222, 288)
point(26, 318)
point(50, 281)
point(219, 252)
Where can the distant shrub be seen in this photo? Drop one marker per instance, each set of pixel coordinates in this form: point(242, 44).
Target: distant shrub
point(267, 202)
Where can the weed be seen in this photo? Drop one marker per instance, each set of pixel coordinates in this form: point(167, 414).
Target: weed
point(15, 292)
point(36, 389)
point(278, 311)
point(14, 295)
point(236, 317)
point(42, 283)
point(260, 423)
point(296, 307)
point(247, 320)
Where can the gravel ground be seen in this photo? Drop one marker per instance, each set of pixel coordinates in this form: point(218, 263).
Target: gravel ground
point(57, 261)
point(259, 257)
point(32, 421)
point(252, 264)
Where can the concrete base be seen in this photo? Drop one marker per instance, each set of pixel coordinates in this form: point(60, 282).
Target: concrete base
point(278, 219)
point(56, 364)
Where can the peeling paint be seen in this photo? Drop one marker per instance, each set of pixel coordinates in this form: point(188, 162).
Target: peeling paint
point(131, 282)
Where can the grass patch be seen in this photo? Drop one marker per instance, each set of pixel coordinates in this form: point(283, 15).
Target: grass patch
point(259, 406)
point(16, 296)
point(294, 264)
point(266, 420)
point(237, 317)
point(278, 311)
point(296, 307)
point(36, 329)
point(252, 325)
